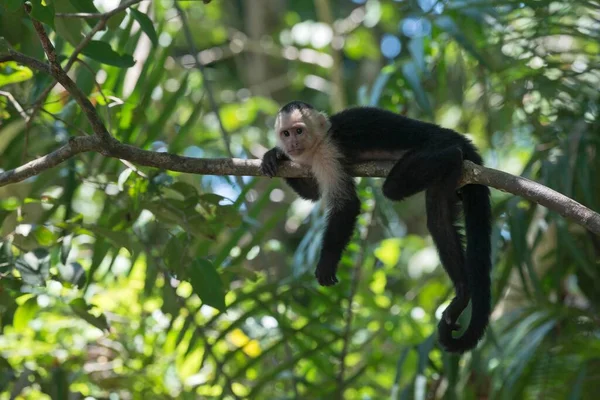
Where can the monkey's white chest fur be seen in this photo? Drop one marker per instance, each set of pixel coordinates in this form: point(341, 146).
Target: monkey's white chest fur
point(326, 166)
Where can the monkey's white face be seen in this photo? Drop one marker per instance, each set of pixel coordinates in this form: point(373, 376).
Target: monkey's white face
point(300, 132)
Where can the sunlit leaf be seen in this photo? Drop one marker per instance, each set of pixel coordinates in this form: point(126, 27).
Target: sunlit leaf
point(11, 72)
point(44, 236)
point(389, 251)
point(25, 313)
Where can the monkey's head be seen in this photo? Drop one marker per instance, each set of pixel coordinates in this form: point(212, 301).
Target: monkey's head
point(300, 129)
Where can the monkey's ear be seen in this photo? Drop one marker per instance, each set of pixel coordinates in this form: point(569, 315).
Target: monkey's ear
point(323, 121)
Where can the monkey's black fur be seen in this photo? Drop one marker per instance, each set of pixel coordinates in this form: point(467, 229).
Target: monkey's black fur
point(432, 162)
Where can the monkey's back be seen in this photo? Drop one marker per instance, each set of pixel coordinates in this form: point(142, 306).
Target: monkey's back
point(361, 129)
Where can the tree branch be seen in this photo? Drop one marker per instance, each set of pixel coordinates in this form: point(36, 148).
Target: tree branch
point(75, 146)
point(472, 173)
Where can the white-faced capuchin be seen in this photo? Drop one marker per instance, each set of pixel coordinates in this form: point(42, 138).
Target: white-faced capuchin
point(429, 158)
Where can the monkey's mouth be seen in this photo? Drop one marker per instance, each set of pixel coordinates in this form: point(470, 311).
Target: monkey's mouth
point(295, 152)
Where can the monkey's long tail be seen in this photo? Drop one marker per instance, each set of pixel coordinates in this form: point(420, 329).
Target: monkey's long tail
point(477, 210)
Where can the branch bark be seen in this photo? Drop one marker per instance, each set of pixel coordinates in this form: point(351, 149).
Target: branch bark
point(472, 173)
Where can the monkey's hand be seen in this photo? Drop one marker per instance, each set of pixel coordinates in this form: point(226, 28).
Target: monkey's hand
point(270, 162)
point(325, 272)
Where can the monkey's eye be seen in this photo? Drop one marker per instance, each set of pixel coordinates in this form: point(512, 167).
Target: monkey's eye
point(286, 133)
point(299, 131)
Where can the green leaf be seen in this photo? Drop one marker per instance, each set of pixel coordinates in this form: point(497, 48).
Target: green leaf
point(73, 273)
point(229, 215)
point(90, 314)
point(43, 11)
point(175, 254)
point(13, 5)
point(25, 313)
point(207, 284)
point(146, 25)
point(34, 266)
point(11, 72)
point(210, 198)
point(117, 238)
point(44, 236)
point(189, 193)
point(69, 29)
point(101, 51)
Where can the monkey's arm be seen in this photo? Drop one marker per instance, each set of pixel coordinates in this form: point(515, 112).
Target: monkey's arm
point(307, 188)
point(341, 220)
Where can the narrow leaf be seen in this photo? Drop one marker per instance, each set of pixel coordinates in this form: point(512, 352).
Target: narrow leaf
point(146, 25)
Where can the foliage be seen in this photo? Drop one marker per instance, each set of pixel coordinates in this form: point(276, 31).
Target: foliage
point(132, 282)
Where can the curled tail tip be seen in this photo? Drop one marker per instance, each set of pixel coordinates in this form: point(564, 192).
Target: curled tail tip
point(468, 341)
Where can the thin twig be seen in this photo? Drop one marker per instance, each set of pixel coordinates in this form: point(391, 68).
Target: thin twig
point(11, 99)
point(68, 124)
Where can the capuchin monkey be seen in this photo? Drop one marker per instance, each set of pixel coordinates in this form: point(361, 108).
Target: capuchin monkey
point(429, 158)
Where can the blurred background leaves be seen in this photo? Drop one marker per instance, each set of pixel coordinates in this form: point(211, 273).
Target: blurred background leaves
point(119, 282)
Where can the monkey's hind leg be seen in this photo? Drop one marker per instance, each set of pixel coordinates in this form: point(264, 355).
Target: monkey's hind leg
point(442, 215)
point(419, 170)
